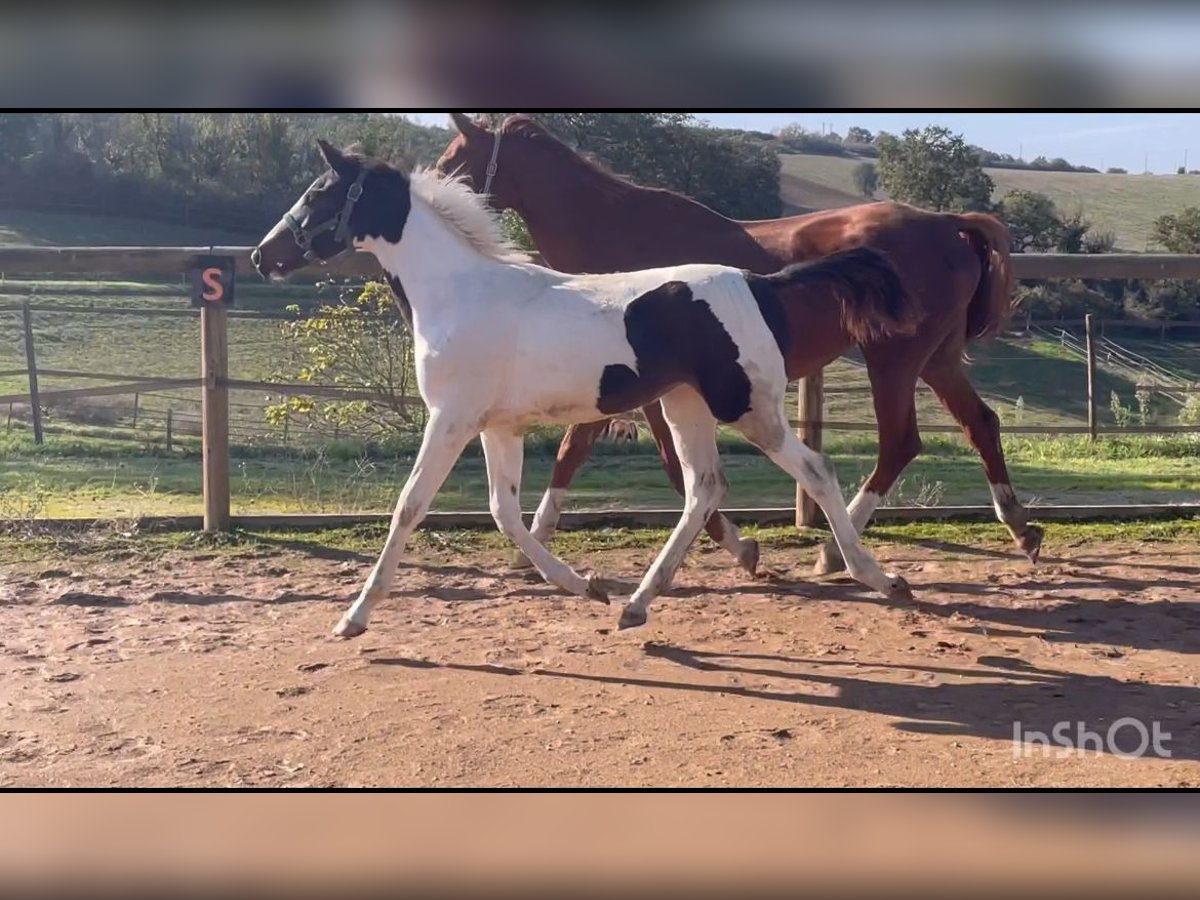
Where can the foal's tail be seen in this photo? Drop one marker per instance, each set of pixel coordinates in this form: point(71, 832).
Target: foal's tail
point(992, 304)
point(874, 301)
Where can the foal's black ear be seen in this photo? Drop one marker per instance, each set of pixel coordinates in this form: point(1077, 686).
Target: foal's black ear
point(333, 156)
point(465, 126)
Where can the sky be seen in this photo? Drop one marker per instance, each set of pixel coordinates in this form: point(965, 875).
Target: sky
point(1130, 141)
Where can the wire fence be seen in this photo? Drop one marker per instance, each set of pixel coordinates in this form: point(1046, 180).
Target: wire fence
point(118, 381)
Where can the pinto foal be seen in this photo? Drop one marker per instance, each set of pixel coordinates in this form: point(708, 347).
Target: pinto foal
point(502, 344)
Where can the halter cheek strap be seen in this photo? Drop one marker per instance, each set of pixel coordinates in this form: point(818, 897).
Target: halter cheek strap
point(491, 166)
point(339, 224)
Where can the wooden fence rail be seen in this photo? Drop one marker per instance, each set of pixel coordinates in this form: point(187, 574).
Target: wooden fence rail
point(215, 384)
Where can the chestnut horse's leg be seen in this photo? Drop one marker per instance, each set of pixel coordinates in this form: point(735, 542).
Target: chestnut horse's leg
point(576, 444)
point(893, 383)
point(982, 428)
point(720, 529)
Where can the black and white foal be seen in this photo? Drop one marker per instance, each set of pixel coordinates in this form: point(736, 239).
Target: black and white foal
point(502, 344)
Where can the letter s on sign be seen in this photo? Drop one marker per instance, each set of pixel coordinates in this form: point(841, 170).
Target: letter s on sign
point(214, 291)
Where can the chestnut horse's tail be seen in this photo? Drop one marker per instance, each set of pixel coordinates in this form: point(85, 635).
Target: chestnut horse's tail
point(992, 305)
point(874, 301)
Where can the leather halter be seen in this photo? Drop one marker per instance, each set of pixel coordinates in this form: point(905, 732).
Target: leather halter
point(338, 224)
point(491, 166)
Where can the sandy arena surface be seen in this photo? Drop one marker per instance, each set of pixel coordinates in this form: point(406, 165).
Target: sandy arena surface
point(199, 669)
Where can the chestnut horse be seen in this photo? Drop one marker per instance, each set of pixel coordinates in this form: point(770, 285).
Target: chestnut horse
point(583, 218)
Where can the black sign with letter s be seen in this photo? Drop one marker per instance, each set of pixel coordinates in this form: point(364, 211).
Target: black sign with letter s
point(212, 280)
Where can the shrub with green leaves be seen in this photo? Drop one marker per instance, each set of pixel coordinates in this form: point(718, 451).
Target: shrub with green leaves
point(358, 342)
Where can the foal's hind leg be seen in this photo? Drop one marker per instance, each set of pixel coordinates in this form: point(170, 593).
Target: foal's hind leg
point(719, 528)
point(892, 387)
point(982, 428)
point(503, 451)
point(694, 431)
point(814, 473)
point(573, 452)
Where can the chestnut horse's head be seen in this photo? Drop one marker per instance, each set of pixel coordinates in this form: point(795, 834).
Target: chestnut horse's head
point(478, 153)
point(354, 198)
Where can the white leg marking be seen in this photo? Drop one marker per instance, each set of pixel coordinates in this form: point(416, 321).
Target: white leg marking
point(545, 520)
point(695, 432)
point(862, 507)
point(1003, 501)
point(440, 447)
point(504, 452)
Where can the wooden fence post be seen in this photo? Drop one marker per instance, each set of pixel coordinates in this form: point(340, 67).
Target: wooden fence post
point(214, 412)
point(35, 402)
point(810, 409)
point(136, 397)
point(1089, 330)
point(168, 429)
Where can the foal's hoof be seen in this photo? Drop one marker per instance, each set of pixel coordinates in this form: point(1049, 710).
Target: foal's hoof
point(748, 556)
point(829, 561)
point(519, 561)
point(596, 589)
point(1031, 542)
point(631, 617)
point(899, 589)
point(347, 628)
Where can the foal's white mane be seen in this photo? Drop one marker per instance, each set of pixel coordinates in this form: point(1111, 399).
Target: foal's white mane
point(466, 212)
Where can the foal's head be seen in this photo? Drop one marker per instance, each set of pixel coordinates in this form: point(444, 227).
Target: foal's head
point(355, 198)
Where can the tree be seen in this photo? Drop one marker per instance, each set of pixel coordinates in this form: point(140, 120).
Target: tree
point(1032, 219)
point(866, 178)
point(1179, 232)
point(734, 173)
point(1116, 170)
point(933, 168)
point(857, 135)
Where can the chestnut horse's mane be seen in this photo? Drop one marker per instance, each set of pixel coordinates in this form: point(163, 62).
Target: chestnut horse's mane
point(522, 125)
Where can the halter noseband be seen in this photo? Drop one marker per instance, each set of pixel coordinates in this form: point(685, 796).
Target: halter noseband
point(491, 166)
point(339, 224)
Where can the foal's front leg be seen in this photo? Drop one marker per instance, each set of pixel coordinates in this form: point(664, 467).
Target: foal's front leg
point(441, 445)
point(504, 451)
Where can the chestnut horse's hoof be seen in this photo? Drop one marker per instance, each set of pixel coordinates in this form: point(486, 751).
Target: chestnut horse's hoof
point(519, 561)
point(1031, 542)
point(899, 590)
point(596, 589)
point(829, 561)
point(631, 617)
point(748, 556)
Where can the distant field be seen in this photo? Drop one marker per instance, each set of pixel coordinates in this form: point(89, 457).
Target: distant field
point(1124, 204)
point(48, 229)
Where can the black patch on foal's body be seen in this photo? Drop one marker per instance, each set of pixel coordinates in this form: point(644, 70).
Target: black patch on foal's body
point(770, 307)
point(676, 339)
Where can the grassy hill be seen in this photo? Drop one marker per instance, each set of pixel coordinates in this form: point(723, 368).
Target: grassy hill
point(49, 229)
point(1124, 204)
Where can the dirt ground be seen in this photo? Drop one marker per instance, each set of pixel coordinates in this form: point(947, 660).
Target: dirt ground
point(198, 669)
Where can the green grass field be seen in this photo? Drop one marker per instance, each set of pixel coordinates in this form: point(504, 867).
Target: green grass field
point(49, 229)
point(1127, 205)
point(95, 463)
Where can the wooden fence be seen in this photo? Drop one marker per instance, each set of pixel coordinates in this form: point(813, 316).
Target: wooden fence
point(214, 382)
